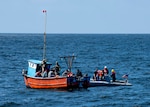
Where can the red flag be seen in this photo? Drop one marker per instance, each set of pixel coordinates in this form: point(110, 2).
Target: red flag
point(44, 11)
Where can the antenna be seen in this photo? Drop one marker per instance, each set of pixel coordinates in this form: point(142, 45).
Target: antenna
point(44, 48)
point(69, 60)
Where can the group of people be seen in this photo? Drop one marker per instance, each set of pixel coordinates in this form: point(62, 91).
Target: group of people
point(44, 70)
point(68, 73)
point(104, 74)
point(55, 71)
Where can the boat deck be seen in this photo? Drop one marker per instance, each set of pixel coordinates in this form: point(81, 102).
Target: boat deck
point(105, 83)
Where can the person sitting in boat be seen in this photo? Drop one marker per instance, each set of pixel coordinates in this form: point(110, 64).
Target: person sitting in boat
point(79, 74)
point(51, 73)
point(65, 73)
point(57, 68)
point(70, 74)
point(113, 75)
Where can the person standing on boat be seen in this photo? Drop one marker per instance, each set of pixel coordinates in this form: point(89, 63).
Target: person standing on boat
point(95, 75)
point(100, 74)
point(106, 72)
point(43, 65)
point(57, 68)
point(113, 75)
point(79, 74)
point(45, 73)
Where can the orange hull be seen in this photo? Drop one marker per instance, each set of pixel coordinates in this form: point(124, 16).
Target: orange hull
point(45, 83)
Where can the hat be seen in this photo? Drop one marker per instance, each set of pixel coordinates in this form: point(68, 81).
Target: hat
point(112, 70)
point(105, 66)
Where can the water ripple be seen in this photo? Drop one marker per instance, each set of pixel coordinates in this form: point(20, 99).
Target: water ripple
point(125, 53)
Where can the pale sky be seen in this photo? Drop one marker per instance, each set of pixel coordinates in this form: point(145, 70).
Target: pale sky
point(75, 16)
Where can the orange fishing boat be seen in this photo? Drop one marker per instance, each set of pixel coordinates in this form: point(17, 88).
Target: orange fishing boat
point(42, 82)
point(32, 80)
point(45, 83)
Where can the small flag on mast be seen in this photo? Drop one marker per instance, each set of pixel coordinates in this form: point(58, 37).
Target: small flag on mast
point(44, 11)
point(125, 76)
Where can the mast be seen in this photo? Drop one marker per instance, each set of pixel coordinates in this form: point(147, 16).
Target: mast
point(69, 60)
point(44, 48)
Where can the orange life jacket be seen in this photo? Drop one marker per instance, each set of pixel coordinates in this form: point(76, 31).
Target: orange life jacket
point(100, 73)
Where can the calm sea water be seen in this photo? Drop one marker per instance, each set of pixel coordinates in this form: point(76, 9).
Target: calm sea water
point(125, 53)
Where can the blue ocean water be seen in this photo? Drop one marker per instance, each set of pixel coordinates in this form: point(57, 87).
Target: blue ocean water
point(126, 53)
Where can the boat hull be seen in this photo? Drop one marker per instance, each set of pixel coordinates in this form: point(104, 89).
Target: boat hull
point(73, 82)
point(105, 83)
point(45, 83)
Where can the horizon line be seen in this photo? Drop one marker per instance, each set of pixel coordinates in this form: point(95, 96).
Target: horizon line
point(79, 33)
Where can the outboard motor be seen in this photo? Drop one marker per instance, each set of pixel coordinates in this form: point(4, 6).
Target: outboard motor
point(71, 82)
point(86, 82)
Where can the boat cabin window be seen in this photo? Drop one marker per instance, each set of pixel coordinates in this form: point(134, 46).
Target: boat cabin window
point(39, 68)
